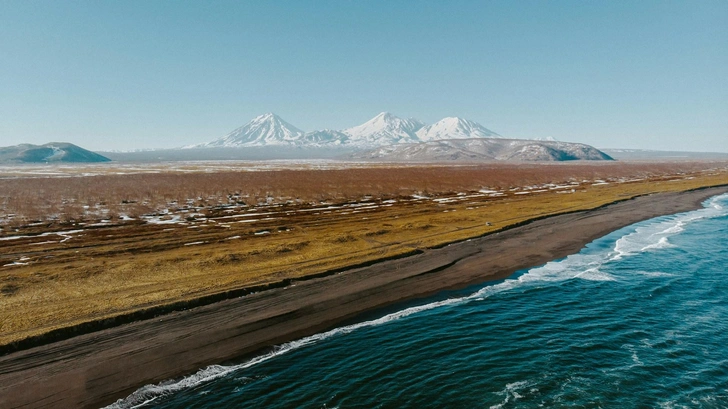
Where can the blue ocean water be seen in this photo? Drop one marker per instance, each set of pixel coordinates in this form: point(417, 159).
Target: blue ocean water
point(637, 319)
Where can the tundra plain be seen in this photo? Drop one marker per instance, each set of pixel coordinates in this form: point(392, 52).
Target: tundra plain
point(84, 245)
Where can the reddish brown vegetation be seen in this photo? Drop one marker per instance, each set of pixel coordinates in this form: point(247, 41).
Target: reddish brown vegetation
point(24, 200)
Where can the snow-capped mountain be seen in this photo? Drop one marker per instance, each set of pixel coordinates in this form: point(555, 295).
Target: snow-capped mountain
point(454, 128)
point(266, 129)
point(384, 129)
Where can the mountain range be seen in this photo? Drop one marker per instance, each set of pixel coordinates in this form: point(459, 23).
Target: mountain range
point(384, 129)
point(384, 137)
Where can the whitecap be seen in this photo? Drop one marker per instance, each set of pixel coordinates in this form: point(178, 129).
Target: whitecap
point(593, 274)
point(513, 391)
point(655, 235)
point(655, 274)
point(663, 243)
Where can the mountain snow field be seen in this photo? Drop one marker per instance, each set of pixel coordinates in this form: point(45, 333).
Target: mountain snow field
point(384, 129)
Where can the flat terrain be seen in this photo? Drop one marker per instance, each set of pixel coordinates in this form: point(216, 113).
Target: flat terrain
point(147, 242)
point(98, 368)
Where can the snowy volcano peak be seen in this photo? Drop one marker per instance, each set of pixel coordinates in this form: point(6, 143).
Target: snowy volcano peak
point(454, 128)
point(383, 129)
point(266, 129)
point(386, 119)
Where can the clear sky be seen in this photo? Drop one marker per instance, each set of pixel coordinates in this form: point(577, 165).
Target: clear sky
point(159, 74)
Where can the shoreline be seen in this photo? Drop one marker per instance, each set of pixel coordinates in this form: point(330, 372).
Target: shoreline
point(97, 368)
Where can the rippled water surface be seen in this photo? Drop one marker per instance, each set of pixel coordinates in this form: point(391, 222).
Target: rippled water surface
point(639, 318)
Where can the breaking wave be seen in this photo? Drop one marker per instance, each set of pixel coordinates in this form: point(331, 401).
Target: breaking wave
point(591, 265)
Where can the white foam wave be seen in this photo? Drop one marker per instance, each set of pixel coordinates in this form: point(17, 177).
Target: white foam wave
point(655, 236)
point(593, 274)
point(577, 266)
point(572, 267)
point(513, 391)
point(655, 274)
point(149, 393)
point(663, 243)
point(636, 361)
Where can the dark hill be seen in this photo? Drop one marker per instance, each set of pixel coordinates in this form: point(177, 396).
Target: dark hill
point(53, 152)
point(484, 149)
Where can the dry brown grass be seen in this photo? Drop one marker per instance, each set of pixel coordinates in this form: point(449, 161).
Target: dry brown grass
point(67, 199)
point(113, 269)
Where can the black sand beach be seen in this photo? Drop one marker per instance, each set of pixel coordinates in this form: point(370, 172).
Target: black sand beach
point(95, 369)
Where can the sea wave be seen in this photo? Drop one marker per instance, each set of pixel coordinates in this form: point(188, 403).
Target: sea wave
point(515, 391)
point(656, 235)
point(149, 393)
point(648, 236)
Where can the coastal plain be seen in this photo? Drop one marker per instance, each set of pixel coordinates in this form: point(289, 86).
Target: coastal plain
point(246, 260)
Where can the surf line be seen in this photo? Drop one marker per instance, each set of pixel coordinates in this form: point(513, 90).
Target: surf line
point(555, 271)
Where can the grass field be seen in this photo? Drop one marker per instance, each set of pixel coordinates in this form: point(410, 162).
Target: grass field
point(202, 233)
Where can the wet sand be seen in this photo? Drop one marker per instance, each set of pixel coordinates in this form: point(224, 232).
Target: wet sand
point(96, 369)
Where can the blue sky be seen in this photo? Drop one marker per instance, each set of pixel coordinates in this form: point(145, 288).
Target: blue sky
point(154, 74)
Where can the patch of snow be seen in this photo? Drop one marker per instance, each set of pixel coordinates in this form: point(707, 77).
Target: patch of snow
point(454, 128)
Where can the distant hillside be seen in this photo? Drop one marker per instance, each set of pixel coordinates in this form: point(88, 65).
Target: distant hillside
point(50, 152)
point(484, 149)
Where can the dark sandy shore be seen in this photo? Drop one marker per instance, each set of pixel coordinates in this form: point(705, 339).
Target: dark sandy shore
point(96, 369)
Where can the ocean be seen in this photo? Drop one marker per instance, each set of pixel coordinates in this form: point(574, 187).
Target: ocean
point(637, 319)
